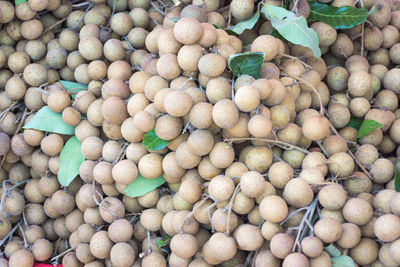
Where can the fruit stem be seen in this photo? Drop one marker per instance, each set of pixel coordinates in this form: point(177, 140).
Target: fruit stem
point(5, 112)
point(290, 146)
point(21, 122)
point(230, 207)
point(55, 24)
point(191, 214)
point(62, 254)
point(305, 222)
point(9, 234)
point(296, 58)
point(322, 148)
point(157, 9)
point(26, 245)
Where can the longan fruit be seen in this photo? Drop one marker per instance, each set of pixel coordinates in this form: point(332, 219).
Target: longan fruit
point(252, 184)
point(386, 227)
point(266, 44)
point(200, 142)
point(221, 188)
point(247, 98)
point(357, 211)
point(341, 164)
point(177, 103)
point(125, 172)
point(212, 65)
point(225, 114)
point(188, 30)
point(273, 209)
point(298, 193)
point(281, 245)
point(326, 34)
point(343, 46)
point(150, 166)
point(122, 249)
point(200, 115)
point(350, 237)
point(7, 13)
point(21, 258)
point(365, 252)
point(248, 237)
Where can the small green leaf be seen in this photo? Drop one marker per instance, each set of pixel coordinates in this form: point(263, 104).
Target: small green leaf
point(18, 2)
point(152, 142)
point(342, 261)
point(367, 127)
point(292, 28)
point(71, 158)
point(355, 123)
point(162, 242)
point(246, 24)
point(332, 250)
point(142, 186)
point(246, 63)
point(397, 178)
point(216, 26)
point(174, 19)
point(48, 121)
point(372, 11)
point(73, 87)
point(338, 17)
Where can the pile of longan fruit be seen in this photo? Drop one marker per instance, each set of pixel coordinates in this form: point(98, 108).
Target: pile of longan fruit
point(259, 172)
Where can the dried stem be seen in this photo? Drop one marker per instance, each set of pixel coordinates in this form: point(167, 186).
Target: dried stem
point(5, 112)
point(26, 245)
point(21, 122)
point(55, 24)
point(191, 214)
point(62, 254)
point(296, 58)
point(157, 9)
point(9, 234)
point(289, 146)
point(230, 207)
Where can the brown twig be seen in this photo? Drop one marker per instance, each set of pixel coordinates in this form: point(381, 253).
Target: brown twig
point(227, 232)
point(191, 214)
point(55, 24)
point(290, 146)
point(296, 58)
point(21, 122)
point(5, 112)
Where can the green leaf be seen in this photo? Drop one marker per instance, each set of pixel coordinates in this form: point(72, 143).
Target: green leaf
point(152, 142)
point(142, 186)
point(397, 178)
point(49, 121)
point(18, 2)
point(162, 242)
point(71, 158)
point(216, 26)
point(332, 250)
point(367, 127)
point(342, 261)
point(292, 28)
point(246, 63)
point(355, 123)
point(276, 34)
point(338, 17)
point(174, 19)
point(73, 87)
point(246, 24)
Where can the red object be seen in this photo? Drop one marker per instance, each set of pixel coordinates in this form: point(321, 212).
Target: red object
point(43, 264)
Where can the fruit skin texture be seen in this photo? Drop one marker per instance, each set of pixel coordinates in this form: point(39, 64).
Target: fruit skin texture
point(387, 227)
